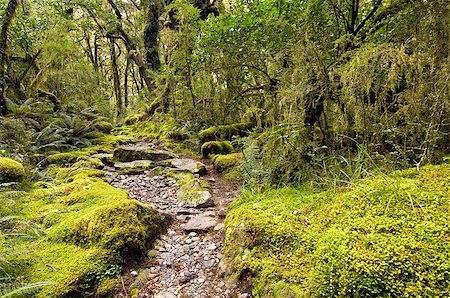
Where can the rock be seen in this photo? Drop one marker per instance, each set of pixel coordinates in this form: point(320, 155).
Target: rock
point(141, 151)
point(106, 158)
point(219, 227)
point(222, 213)
point(200, 224)
point(186, 164)
point(134, 273)
point(212, 247)
point(165, 294)
point(195, 194)
point(134, 167)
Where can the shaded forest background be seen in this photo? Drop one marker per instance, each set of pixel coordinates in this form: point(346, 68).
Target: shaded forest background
point(329, 89)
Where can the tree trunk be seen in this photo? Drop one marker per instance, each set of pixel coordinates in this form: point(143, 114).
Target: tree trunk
point(151, 37)
point(7, 19)
point(116, 77)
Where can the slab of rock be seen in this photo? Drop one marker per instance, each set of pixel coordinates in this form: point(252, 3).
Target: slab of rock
point(200, 224)
point(200, 199)
point(191, 165)
point(106, 158)
point(165, 294)
point(134, 167)
point(141, 151)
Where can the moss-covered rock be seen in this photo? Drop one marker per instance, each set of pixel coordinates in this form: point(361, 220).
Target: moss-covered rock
point(225, 132)
point(195, 193)
point(127, 153)
point(225, 163)
point(11, 170)
point(104, 127)
point(217, 147)
point(65, 158)
point(384, 237)
point(133, 119)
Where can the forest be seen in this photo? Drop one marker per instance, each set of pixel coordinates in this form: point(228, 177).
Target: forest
point(219, 148)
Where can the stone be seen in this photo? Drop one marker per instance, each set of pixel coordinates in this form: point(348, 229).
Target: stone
point(200, 224)
point(105, 158)
point(219, 227)
point(134, 273)
point(195, 194)
point(134, 167)
point(191, 165)
point(141, 151)
point(165, 294)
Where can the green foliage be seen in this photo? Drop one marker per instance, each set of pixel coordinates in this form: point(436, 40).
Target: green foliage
point(384, 236)
point(10, 170)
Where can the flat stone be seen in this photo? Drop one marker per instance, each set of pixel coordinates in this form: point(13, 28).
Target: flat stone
point(200, 224)
point(165, 294)
point(191, 165)
point(141, 151)
point(136, 167)
point(219, 227)
point(200, 199)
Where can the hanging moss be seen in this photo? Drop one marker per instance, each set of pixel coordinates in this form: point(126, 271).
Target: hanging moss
point(11, 170)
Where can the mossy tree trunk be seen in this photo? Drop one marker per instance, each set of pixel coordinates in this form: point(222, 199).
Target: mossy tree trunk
point(7, 19)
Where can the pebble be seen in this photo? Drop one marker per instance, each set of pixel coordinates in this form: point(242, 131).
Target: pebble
point(181, 257)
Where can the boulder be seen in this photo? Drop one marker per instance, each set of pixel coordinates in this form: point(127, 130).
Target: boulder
point(191, 165)
point(200, 224)
point(141, 151)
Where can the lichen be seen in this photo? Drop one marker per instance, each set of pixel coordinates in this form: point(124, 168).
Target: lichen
point(11, 170)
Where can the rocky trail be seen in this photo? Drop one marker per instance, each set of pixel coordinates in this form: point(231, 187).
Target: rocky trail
point(186, 261)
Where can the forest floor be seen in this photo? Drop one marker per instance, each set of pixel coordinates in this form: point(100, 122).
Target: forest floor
point(186, 261)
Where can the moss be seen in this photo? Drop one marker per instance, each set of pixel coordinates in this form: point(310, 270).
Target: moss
point(225, 163)
point(385, 236)
point(133, 119)
point(108, 287)
point(112, 141)
point(104, 126)
point(191, 191)
point(225, 132)
point(67, 157)
point(11, 170)
point(216, 147)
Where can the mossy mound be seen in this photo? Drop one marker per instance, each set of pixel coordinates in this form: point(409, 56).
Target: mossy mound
point(11, 170)
point(386, 236)
point(217, 147)
point(225, 132)
point(133, 119)
point(66, 158)
point(79, 231)
point(195, 193)
point(104, 127)
point(225, 163)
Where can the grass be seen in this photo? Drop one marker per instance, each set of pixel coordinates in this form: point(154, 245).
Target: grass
point(386, 236)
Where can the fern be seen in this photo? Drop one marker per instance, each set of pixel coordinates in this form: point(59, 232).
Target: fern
point(24, 290)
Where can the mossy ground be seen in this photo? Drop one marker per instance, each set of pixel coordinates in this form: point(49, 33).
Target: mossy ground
point(387, 236)
point(74, 230)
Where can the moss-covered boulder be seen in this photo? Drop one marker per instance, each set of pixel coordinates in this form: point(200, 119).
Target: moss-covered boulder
point(195, 193)
point(11, 170)
point(225, 132)
point(143, 151)
point(225, 163)
point(217, 147)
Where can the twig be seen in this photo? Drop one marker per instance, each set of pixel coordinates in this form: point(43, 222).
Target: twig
point(123, 287)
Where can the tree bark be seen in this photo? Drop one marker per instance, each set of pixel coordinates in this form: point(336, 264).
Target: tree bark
point(7, 19)
point(116, 78)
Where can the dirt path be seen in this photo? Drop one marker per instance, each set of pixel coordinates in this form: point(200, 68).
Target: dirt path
point(186, 261)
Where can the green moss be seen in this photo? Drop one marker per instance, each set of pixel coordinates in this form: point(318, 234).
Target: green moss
point(104, 127)
point(225, 163)
point(133, 119)
point(225, 132)
point(216, 147)
point(108, 287)
point(11, 170)
point(190, 191)
point(111, 141)
point(67, 157)
point(384, 237)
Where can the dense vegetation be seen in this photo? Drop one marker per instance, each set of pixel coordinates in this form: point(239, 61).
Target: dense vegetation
point(297, 100)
